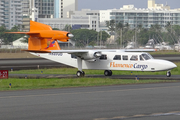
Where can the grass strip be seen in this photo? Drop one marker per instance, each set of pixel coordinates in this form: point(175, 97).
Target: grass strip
point(28, 84)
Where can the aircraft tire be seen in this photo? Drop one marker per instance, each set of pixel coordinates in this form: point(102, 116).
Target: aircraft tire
point(79, 74)
point(107, 72)
point(168, 74)
point(110, 73)
point(83, 73)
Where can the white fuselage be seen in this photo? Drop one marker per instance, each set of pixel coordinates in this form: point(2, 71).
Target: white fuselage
point(127, 61)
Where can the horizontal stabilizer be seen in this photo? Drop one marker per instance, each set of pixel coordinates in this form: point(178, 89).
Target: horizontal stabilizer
point(28, 33)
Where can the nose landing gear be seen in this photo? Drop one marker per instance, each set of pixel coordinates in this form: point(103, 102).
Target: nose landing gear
point(168, 74)
point(80, 73)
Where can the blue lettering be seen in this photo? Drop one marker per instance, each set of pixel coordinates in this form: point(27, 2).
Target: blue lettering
point(142, 67)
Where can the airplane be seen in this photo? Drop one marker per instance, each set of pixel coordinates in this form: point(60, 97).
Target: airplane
point(43, 43)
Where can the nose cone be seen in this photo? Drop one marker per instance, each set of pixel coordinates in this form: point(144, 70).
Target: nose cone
point(171, 65)
point(70, 35)
point(165, 65)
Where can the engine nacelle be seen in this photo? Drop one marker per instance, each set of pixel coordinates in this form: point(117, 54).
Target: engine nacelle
point(91, 55)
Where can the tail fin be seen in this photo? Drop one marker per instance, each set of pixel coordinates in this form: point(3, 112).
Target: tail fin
point(42, 45)
point(43, 38)
point(35, 26)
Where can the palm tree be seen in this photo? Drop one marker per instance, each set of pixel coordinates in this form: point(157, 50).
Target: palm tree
point(111, 26)
point(119, 30)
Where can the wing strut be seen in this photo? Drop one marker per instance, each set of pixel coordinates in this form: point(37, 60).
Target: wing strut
point(80, 73)
point(79, 63)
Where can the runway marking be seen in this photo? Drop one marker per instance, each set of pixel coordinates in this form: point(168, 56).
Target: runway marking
point(141, 116)
point(41, 95)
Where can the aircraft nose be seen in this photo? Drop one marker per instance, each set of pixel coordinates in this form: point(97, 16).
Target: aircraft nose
point(171, 65)
point(164, 64)
point(70, 35)
point(174, 65)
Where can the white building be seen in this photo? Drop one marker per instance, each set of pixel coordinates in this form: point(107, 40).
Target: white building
point(76, 22)
point(144, 17)
point(151, 4)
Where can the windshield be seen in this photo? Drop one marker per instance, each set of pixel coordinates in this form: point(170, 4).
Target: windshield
point(147, 56)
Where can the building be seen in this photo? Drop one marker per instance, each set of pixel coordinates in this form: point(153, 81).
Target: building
point(76, 22)
point(29, 13)
point(10, 13)
point(63, 6)
point(45, 8)
point(145, 17)
point(55, 8)
point(151, 4)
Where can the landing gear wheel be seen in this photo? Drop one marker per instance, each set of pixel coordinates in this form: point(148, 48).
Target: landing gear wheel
point(110, 73)
point(80, 74)
point(83, 73)
point(168, 74)
point(107, 72)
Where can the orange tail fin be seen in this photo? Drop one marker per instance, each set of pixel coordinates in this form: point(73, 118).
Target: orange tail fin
point(36, 26)
point(42, 45)
point(43, 38)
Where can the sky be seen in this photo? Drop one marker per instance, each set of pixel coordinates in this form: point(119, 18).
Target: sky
point(110, 4)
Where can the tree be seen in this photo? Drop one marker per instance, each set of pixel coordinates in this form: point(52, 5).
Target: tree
point(119, 30)
point(8, 38)
point(2, 35)
point(67, 28)
point(111, 26)
point(55, 28)
point(84, 37)
point(103, 37)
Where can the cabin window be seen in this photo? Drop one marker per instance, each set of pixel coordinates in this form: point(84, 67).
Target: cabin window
point(103, 57)
point(134, 58)
point(117, 57)
point(125, 57)
point(146, 57)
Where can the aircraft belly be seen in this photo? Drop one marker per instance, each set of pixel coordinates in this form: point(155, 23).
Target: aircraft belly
point(63, 58)
point(97, 65)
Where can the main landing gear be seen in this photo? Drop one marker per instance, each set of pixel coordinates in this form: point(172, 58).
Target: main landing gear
point(108, 73)
point(80, 73)
point(168, 74)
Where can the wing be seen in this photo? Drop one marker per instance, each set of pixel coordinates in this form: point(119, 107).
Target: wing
point(103, 50)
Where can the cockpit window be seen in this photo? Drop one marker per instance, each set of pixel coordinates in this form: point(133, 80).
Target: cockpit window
point(150, 56)
point(134, 58)
point(103, 57)
point(141, 58)
point(146, 56)
point(117, 57)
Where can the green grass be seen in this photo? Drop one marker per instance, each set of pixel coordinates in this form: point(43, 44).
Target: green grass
point(165, 52)
point(22, 84)
point(27, 84)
